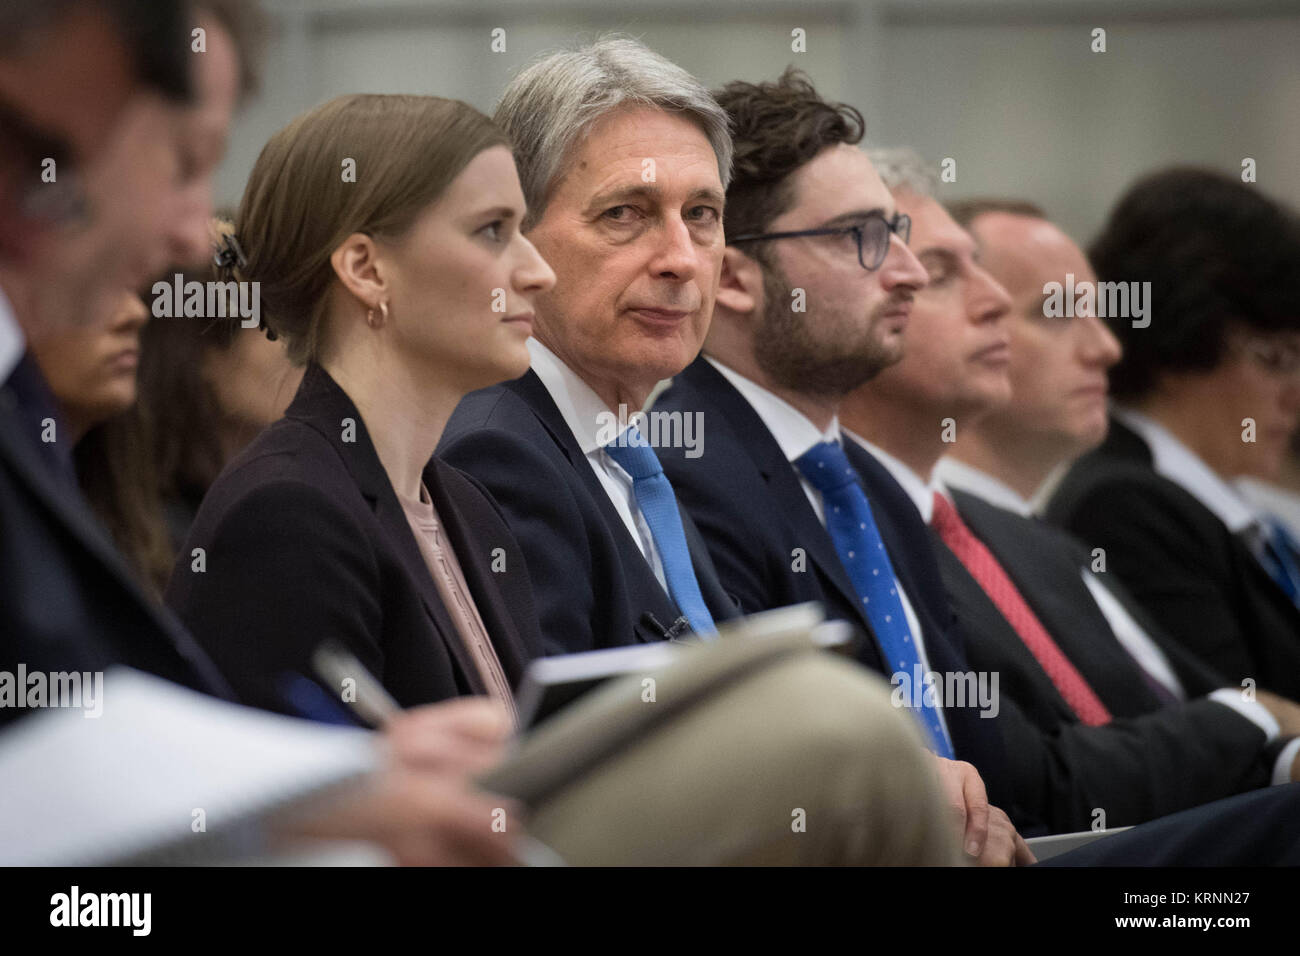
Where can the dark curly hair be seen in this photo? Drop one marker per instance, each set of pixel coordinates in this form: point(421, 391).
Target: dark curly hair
point(1217, 253)
point(777, 128)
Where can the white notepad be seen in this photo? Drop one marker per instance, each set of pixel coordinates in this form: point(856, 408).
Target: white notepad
point(77, 790)
point(552, 683)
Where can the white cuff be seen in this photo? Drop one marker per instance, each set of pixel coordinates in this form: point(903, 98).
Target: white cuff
point(1282, 767)
point(1252, 710)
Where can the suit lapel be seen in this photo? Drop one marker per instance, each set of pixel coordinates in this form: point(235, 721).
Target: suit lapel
point(531, 389)
point(69, 509)
point(1053, 588)
point(323, 405)
point(788, 497)
point(1124, 444)
point(981, 616)
point(720, 603)
point(912, 552)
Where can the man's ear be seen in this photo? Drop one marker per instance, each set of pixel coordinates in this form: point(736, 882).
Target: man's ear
point(356, 263)
point(740, 289)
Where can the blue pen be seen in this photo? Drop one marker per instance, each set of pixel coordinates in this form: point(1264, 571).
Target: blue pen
point(306, 699)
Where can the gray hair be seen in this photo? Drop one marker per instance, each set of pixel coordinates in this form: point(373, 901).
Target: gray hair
point(903, 168)
point(548, 107)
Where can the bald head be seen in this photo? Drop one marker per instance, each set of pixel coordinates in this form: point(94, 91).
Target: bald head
point(1058, 364)
point(1019, 250)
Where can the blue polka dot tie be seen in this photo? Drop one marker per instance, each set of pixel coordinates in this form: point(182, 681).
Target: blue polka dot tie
point(1281, 553)
point(658, 504)
point(857, 540)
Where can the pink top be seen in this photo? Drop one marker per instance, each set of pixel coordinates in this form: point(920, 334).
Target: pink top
point(450, 580)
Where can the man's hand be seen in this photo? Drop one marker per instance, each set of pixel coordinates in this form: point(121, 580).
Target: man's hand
point(465, 736)
point(421, 818)
point(988, 835)
point(1005, 846)
point(423, 808)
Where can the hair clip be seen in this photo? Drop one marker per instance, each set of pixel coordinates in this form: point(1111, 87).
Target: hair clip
point(229, 254)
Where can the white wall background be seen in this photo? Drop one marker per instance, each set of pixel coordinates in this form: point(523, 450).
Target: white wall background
point(1010, 89)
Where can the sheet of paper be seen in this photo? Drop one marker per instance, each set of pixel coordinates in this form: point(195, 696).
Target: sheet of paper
point(158, 767)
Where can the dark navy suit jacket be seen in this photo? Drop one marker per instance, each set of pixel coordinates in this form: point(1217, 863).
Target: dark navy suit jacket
point(1151, 759)
point(67, 600)
point(771, 549)
point(754, 513)
point(1181, 563)
point(593, 585)
point(305, 539)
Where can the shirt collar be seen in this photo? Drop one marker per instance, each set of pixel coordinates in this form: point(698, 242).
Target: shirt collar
point(12, 341)
point(793, 430)
point(922, 494)
point(1270, 502)
point(582, 409)
point(1175, 461)
point(954, 474)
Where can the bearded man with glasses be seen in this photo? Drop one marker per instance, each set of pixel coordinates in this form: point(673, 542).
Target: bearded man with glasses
point(816, 290)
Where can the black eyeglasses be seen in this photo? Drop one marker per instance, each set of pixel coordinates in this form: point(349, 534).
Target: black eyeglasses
point(872, 236)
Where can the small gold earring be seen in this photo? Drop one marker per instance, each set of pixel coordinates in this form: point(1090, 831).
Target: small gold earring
point(370, 317)
point(383, 308)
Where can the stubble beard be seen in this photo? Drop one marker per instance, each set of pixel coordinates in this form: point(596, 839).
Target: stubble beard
point(788, 350)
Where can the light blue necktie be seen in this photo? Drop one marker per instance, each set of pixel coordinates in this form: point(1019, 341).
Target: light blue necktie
point(862, 552)
point(658, 504)
point(1280, 555)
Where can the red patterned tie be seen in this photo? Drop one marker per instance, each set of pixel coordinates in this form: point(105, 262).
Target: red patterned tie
point(1002, 591)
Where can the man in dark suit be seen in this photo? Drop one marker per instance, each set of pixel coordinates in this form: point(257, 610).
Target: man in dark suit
point(765, 522)
point(1032, 618)
point(68, 69)
point(1007, 458)
point(68, 603)
point(612, 557)
point(1208, 392)
point(762, 383)
point(66, 598)
point(762, 520)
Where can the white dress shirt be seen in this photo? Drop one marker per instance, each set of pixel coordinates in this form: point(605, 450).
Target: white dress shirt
point(796, 434)
point(791, 428)
point(584, 412)
point(951, 473)
point(1265, 498)
point(1172, 459)
point(12, 341)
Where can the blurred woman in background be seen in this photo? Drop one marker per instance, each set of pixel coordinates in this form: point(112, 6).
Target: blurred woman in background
point(153, 410)
point(208, 386)
point(91, 369)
